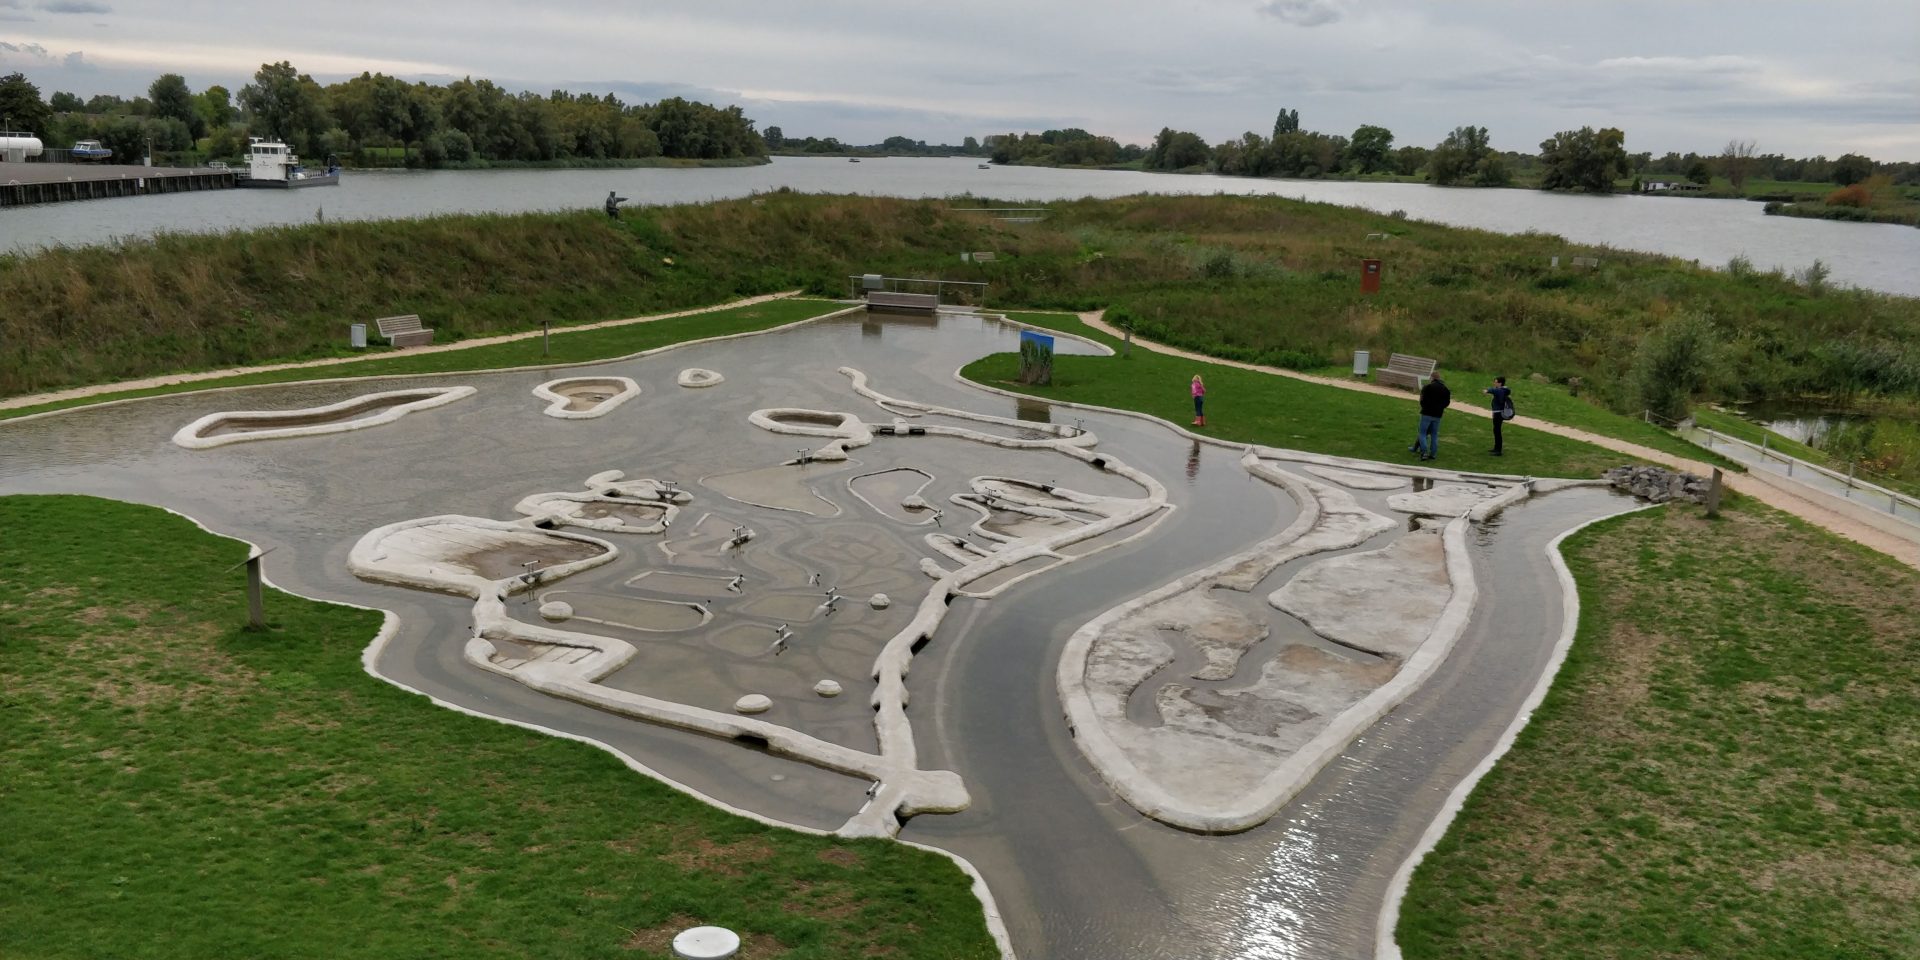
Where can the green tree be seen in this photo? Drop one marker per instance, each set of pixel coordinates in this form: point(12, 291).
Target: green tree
point(1407, 161)
point(1585, 159)
point(776, 136)
point(173, 101)
point(1287, 122)
point(20, 105)
point(969, 145)
point(1850, 169)
point(1455, 157)
point(63, 102)
point(1369, 147)
point(287, 104)
point(216, 106)
point(1176, 150)
point(1700, 173)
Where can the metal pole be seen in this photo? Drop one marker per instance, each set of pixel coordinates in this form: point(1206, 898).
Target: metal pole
point(1713, 495)
point(256, 604)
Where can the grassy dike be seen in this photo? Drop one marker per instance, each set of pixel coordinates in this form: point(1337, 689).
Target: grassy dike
point(1726, 766)
point(1261, 279)
point(177, 786)
point(568, 347)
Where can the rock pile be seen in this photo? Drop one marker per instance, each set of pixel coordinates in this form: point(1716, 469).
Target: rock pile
point(1658, 484)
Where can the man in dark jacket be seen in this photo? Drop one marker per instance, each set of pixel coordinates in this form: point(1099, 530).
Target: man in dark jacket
point(1434, 398)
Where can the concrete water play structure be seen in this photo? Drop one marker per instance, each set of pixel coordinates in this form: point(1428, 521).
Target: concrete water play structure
point(1164, 696)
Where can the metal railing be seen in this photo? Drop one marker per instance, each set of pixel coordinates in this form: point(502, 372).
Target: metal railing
point(1893, 502)
point(968, 292)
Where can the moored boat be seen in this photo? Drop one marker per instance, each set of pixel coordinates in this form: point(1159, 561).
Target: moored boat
point(271, 163)
point(89, 150)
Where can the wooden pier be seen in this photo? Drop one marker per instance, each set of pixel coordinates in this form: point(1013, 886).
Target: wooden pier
point(27, 183)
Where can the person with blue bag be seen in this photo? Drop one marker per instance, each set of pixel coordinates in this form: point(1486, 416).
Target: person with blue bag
point(1502, 410)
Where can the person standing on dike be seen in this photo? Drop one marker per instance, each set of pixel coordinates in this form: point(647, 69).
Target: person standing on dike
point(1199, 402)
point(1502, 402)
point(1434, 398)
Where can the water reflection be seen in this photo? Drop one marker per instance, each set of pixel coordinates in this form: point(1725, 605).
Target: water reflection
point(1193, 463)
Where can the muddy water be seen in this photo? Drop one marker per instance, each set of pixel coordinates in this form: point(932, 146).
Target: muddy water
point(1075, 872)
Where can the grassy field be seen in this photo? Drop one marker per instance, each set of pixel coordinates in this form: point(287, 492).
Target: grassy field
point(177, 786)
point(1248, 406)
point(1725, 768)
point(567, 347)
point(1265, 279)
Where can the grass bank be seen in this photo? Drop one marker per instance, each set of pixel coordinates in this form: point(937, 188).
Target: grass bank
point(1252, 407)
point(576, 346)
point(1725, 767)
point(1264, 279)
point(182, 787)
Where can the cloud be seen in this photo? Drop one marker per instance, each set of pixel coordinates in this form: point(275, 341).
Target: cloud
point(15, 17)
point(32, 50)
point(76, 6)
point(76, 61)
point(1304, 13)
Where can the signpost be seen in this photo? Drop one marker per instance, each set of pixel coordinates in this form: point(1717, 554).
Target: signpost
point(1036, 358)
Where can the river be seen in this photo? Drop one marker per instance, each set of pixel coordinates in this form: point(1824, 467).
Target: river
point(1875, 256)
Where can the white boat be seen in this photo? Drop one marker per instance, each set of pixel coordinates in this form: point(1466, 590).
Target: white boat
point(273, 164)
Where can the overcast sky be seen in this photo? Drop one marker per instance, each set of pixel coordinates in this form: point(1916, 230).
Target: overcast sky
point(1798, 78)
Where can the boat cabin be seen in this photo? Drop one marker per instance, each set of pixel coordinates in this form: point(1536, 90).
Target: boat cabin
point(270, 160)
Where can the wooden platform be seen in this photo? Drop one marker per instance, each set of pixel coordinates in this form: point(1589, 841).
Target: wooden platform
point(26, 183)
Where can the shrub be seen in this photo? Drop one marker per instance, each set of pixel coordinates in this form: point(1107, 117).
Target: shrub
point(1854, 195)
point(1672, 365)
point(1740, 266)
point(1815, 277)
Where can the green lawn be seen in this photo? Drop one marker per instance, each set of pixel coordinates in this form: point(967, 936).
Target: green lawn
point(177, 786)
point(1245, 405)
point(1726, 766)
point(568, 347)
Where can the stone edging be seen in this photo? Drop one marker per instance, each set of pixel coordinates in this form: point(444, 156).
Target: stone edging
point(430, 397)
point(1385, 947)
point(1292, 774)
point(557, 403)
point(697, 377)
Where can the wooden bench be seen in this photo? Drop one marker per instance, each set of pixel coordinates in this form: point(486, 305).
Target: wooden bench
point(984, 256)
point(404, 331)
point(917, 302)
point(1406, 371)
point(1588, 262)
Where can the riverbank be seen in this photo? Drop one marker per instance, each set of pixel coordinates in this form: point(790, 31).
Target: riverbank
point(1215, 274)
point(585, 163)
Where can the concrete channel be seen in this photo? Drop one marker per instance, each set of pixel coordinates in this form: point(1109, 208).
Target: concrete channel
point(1074, 871)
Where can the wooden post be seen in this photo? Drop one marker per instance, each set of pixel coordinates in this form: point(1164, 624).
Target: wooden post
point(256, 604)
point(546, 338)
point(1126, 347)
point(1713, 495)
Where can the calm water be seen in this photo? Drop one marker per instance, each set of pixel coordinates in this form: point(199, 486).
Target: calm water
point(1877, 256)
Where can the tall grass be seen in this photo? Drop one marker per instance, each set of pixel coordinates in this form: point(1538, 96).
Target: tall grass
point(1254, 278)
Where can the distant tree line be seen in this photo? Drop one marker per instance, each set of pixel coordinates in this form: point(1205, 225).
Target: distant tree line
point(896, 146)
point(369, 117)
